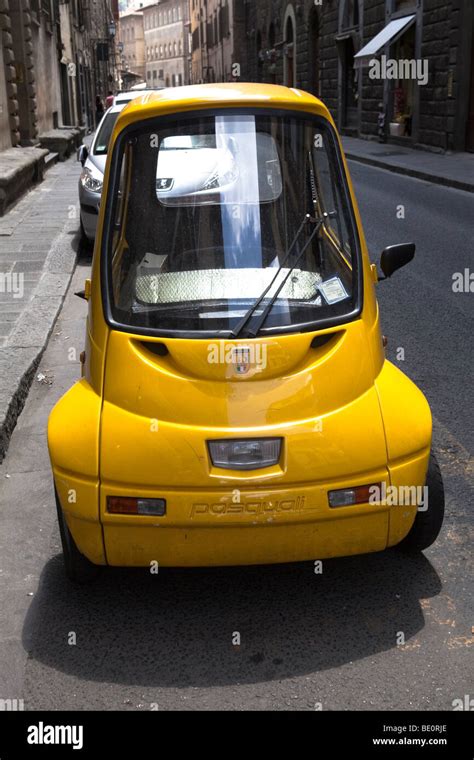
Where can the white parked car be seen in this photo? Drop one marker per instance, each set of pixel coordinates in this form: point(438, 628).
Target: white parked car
point(127, 95)
point(92, 175)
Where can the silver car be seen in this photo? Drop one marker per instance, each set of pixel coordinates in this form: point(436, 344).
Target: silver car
point(92, 175)
point(128, 95)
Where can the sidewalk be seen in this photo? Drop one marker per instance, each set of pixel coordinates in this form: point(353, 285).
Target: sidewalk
point(38, 247)
point(452, 170)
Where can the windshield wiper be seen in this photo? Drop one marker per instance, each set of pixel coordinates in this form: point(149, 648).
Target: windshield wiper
point(252, 309)
point(263, 316)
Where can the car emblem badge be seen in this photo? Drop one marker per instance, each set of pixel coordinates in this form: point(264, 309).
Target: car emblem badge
point(241, 360)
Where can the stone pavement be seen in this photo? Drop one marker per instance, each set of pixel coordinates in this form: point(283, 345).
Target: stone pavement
point(39, 238)
point(450, 169)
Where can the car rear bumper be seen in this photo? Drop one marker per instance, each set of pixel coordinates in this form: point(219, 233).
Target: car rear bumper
point(205, 528)
point(245, 544)
point(243, 528)
point(89, 219)
point(89, 203)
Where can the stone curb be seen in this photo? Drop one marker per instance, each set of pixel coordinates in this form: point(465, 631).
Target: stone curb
point(409, 172)
point(20, 356)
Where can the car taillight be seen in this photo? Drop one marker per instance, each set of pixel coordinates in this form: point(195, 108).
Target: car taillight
point(122, 505)
point(347, 497)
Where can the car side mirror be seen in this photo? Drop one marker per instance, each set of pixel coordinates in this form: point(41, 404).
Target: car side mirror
point(396, 256)
point(82, 154)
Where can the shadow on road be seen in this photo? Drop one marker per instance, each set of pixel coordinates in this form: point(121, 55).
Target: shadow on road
point(176, 628)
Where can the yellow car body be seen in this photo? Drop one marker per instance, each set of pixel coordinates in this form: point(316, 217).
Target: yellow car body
point(136, 424)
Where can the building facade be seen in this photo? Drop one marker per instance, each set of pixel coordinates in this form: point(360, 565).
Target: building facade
point(217, 40)
point(166, 34)
point(101, 18)
point(132, 47)
point(422, 83)
point(54, 58)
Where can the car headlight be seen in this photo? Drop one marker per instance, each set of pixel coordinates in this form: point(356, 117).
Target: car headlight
point(91, 181)
point(218, 179)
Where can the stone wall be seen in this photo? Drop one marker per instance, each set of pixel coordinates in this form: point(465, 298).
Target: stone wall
point(47, 85)
point(9, 118)
point(5, 136)
point(372, 90)
point(440, 23)
point(329, 57)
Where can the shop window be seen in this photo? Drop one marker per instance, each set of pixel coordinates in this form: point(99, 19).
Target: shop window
point(350, 17)
point(403, 89)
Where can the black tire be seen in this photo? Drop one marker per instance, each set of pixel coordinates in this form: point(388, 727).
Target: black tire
point(84, 242)
point(427, 525)
point(78, 568)
point(83, 232)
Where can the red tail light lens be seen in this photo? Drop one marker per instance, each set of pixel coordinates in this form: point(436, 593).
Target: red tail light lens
point(347, 497)
point(121, 505)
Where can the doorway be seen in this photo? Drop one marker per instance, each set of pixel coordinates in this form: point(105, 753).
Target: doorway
point(289, 53)
point(349, 85)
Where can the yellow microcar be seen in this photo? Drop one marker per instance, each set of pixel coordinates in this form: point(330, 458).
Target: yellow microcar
point(235, 405)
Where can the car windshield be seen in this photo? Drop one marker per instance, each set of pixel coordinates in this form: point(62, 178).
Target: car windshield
point(208, 212)
point(105, 132)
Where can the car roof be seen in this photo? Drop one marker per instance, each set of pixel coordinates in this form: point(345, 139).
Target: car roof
point(220, 95)
point(200, 97)
point(224, 91)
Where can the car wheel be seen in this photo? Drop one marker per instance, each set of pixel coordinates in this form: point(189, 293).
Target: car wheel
point(83, 232)
point(78, 568)
point(428, 523)
point(84, 241)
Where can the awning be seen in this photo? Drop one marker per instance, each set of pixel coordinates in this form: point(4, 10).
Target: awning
point(127, 74)
point(388, 35)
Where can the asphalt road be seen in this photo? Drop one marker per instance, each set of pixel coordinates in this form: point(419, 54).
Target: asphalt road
point(165, 641)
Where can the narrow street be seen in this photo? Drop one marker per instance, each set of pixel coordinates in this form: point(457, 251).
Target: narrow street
point(306, 639)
